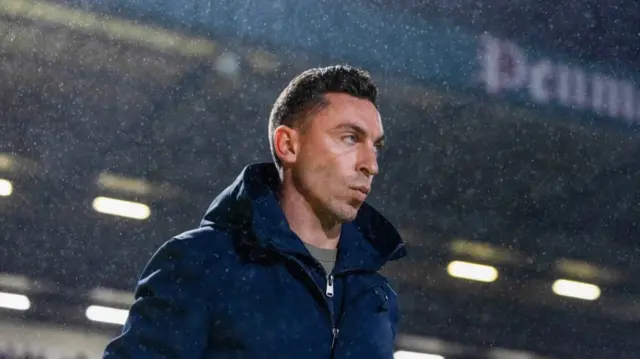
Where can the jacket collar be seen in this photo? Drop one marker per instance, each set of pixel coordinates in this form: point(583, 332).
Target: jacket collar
point(250, 204)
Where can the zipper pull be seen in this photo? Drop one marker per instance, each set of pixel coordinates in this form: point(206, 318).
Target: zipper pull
point(335, 332)
point(329, 286)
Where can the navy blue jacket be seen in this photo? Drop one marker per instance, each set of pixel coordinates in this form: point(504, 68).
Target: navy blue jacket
point(243, 285)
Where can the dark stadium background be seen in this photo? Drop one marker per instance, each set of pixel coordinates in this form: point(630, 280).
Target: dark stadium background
point(164, 102)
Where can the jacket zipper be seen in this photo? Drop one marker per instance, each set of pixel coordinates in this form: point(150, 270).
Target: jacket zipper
point(327, 293)
point(334, 330)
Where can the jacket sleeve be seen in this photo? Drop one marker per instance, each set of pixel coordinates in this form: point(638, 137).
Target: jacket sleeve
point(169, 318)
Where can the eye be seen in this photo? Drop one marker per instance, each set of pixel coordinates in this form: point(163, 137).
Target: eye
point(379, 148)
point(350, 138)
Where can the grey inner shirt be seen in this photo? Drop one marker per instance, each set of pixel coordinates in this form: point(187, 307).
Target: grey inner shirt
point(326, 257)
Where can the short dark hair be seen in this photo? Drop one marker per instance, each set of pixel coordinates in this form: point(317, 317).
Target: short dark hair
point(305, 94)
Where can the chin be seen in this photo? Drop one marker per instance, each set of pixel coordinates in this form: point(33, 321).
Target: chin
point(347, 213)
point(349, 218)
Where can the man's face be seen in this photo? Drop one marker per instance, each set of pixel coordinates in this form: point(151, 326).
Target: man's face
point(338, 155)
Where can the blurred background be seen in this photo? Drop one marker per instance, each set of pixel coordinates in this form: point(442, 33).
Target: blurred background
point(512, 165)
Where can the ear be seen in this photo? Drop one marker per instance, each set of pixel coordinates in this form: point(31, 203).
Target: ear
point(286, 144)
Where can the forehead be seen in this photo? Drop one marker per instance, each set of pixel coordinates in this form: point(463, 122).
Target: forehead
point(343, 109)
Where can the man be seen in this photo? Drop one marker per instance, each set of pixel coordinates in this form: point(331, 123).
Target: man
point(284, 264)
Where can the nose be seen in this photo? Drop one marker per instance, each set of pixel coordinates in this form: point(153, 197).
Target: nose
point(368, 162)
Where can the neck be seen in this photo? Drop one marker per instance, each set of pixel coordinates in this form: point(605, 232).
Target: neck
point(312, 226)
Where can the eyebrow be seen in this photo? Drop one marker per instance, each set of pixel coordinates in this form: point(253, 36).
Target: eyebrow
point(361, 131)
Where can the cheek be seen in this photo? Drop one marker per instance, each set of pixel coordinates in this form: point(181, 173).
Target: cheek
point(312, 177)
point(324, 182)
point(324, 177)
point(324, 171)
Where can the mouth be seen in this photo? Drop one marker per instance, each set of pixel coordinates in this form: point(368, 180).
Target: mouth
point(362, 191)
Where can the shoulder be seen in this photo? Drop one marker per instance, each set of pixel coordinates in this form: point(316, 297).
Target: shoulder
point(194, 249)
point(204, 240)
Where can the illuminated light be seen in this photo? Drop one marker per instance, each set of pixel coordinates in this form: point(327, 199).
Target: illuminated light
point(13, 281)
point(122, 183)
point(484, 252)
point(228, 64)
point(585, 271)
point(578, 290)
point(472, 271)
point(6, 162)
point(262, 61)
point(403, 354)
point(108, 315)
point(118, 207)
point(6, 188)
point(14, 301)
